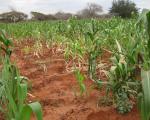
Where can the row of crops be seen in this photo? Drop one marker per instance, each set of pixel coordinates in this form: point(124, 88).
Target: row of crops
point(84, 41)
point(13, 87)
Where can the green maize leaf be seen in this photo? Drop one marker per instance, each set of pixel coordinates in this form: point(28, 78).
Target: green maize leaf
point(148, 23)
point(83, 88)
point(80, 79)
point(6, 41)
point(2, 39)
point(145, 103)
point(12, 105)
point(28, 109)
point(26, 113)
point(142, 17)
point(22, 94)
point(89, 35)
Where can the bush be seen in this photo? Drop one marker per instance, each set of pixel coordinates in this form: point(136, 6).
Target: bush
point(41, 16)
point(13, 16)
point(63, 16)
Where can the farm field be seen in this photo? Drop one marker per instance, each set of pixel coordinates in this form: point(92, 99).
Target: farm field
point(81, 69)
point(56, 87)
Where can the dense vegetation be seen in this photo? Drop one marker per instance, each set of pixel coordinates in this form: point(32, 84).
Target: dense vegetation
point(13, 87)
point(124, 8)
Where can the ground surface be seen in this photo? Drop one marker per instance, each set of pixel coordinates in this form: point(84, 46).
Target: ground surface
point(56, 89)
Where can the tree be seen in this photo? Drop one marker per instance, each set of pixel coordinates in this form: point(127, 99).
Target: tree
point(91, 10)
point(123, 8)
point(41, 16)
point(13, 16)
point(63, 16)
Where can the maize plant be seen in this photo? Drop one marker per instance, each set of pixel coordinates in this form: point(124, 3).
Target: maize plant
point(122, 82)
point(93, 45)
point(13, 90)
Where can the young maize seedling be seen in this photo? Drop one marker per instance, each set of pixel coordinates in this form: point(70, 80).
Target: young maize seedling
point(80, 78)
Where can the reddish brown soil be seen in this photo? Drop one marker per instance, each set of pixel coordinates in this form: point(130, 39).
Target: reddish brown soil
point(56, 89)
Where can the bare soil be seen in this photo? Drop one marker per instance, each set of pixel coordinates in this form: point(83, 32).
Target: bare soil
point(57, 89)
